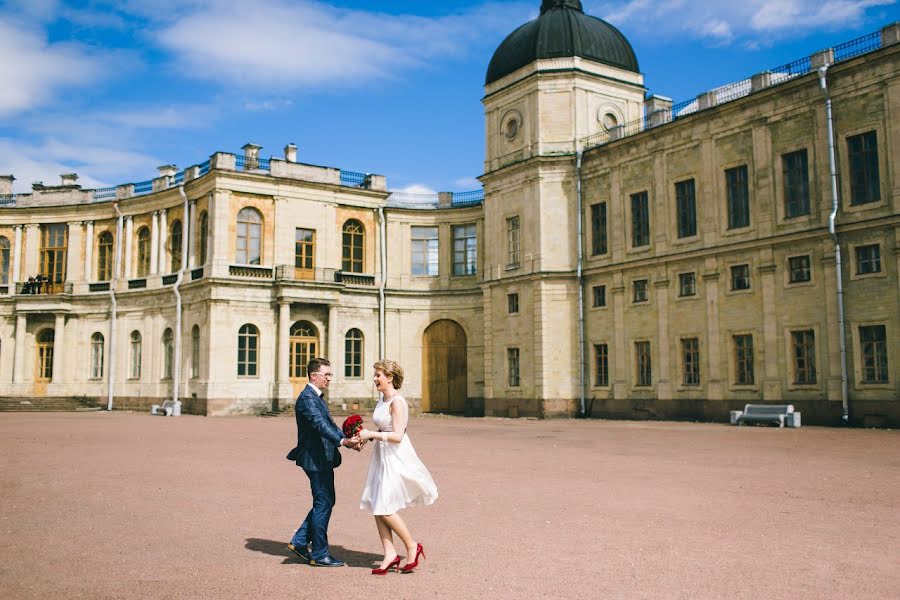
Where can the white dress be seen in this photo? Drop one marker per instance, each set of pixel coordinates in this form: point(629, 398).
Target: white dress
point(397, 478)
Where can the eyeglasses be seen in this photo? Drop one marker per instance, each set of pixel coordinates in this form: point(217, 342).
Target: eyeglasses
point(325, 375)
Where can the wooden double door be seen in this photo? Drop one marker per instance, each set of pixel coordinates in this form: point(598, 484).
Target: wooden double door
point(444, 368)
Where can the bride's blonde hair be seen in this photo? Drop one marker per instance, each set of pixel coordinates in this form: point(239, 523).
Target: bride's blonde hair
point(392, 370)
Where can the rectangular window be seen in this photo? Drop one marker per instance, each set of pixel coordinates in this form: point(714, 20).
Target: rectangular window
point(804, 352)
point(640, 290)
point(799, 268)
point(738, 192)
point(642, 364)
point(512, 367)
point(743, 359)
point(513, 242)
point(424, 250)
point(598, 229)
point(796, 183)
point(465, 249)
point(598, 292)
point(868, 259)
point(512, 303)
point(740, 277)
point(687, 284)
point(305, 252)
point(686, 206)
point(862, 155)
point(640, 220)
point(601, 365)
point(53, 255)
point(873, 350)
point(690, 353)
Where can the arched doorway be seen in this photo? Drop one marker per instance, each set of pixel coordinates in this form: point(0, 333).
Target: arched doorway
point(43, 367)
point(444, 368)
point(304, 346)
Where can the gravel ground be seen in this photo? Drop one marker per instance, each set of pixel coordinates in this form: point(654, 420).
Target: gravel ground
point(125, 505)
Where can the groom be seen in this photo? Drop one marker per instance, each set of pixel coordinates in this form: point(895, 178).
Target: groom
point(318, 440)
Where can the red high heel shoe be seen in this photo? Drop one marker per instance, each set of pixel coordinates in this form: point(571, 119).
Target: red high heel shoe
point(393, 564)
point(408, 568)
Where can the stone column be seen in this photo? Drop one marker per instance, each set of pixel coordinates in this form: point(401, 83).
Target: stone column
point(16, 258)
point(284, 338)
point(19, 350)
point(163, 236)
point(715, 384)
point(59, 348)
point(154, 242)
point(32, 257)
point(127, 268)
point(220, 234)
point(620, 383)
point(664, 377)
point(333, 341)
point(88, 256)
point(192, 234)
point(771, 387)
point(73, 251)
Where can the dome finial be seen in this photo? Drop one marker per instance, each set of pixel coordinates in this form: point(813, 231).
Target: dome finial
point(551, 4)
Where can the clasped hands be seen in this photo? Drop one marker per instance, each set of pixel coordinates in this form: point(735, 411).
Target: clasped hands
point(356, 443)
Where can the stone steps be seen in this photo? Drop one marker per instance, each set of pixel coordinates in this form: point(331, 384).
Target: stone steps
point(52, 404)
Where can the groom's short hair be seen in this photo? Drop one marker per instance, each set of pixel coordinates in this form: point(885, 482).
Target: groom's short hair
point(315, 364)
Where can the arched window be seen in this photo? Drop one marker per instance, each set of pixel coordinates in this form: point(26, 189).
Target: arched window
point(175, 245)
point(202, 239)
point(105, 256)
point(195, 352)
point(249, 237)
point(4, 260)
point(45, 355)
point(353, 354)
point(248, 351)
point(353, 243)
point(168, 353)
point(143, 252)
point(97, 356)
point(304, 345)
point(134, 371)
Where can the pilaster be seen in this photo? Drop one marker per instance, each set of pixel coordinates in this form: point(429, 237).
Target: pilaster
point(772, 389)
point(15, 274)
point(74, 266)
point(88, 253)
point(59, 348)
point(128, 271)
point(154, 242)
point(715, 387)
point(19, 350)
point(161, 248)
point(664, 376)
point(620, 361)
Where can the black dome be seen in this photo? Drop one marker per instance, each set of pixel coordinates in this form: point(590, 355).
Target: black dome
point(562, 30)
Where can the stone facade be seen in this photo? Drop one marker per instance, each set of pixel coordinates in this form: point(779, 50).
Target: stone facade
point(701, 285)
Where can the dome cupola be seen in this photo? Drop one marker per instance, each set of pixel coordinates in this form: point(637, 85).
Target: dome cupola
point(562, 30)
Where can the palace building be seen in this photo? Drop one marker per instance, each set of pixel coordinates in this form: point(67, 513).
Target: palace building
point(628, 256)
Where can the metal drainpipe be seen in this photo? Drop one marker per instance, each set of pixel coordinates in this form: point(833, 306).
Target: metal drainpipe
point(382, 220)
point(823, 70)
point(176, 375)
point(580, 279)
point(113, 309)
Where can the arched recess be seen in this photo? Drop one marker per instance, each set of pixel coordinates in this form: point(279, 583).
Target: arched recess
point(444, 368)
point(304, 346)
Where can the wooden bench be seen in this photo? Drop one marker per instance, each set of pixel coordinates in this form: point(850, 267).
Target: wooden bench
point(765, 413)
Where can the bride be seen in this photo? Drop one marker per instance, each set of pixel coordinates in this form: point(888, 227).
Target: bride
point(397, 478)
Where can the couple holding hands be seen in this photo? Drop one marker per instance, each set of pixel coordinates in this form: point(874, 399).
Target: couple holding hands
point(396, 479)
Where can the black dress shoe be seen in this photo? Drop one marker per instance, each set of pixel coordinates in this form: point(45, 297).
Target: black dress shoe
point(303, 553)
point(328, 561)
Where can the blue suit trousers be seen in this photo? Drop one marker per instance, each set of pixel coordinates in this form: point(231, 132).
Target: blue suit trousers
point(315, 527)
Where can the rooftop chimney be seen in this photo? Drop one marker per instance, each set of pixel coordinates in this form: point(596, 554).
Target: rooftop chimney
point(290, 153)
point(69, 179)
point(6, 182)
point(167, 170)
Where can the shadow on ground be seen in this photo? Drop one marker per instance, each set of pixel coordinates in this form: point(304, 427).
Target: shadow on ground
point(279, 548)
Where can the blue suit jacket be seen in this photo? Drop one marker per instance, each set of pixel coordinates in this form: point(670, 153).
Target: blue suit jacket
point(318, 438)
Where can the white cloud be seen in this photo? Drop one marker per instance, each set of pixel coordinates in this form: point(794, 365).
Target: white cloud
point(34, 70)
point(416, 189)
point(295, 45)
point(97, 166)
point(751, 22)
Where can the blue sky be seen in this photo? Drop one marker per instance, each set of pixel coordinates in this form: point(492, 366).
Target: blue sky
point(113, 89)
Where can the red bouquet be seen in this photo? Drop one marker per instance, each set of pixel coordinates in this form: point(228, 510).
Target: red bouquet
point(352, 425)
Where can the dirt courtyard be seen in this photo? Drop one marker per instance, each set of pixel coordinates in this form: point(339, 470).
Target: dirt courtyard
point(125, 505)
